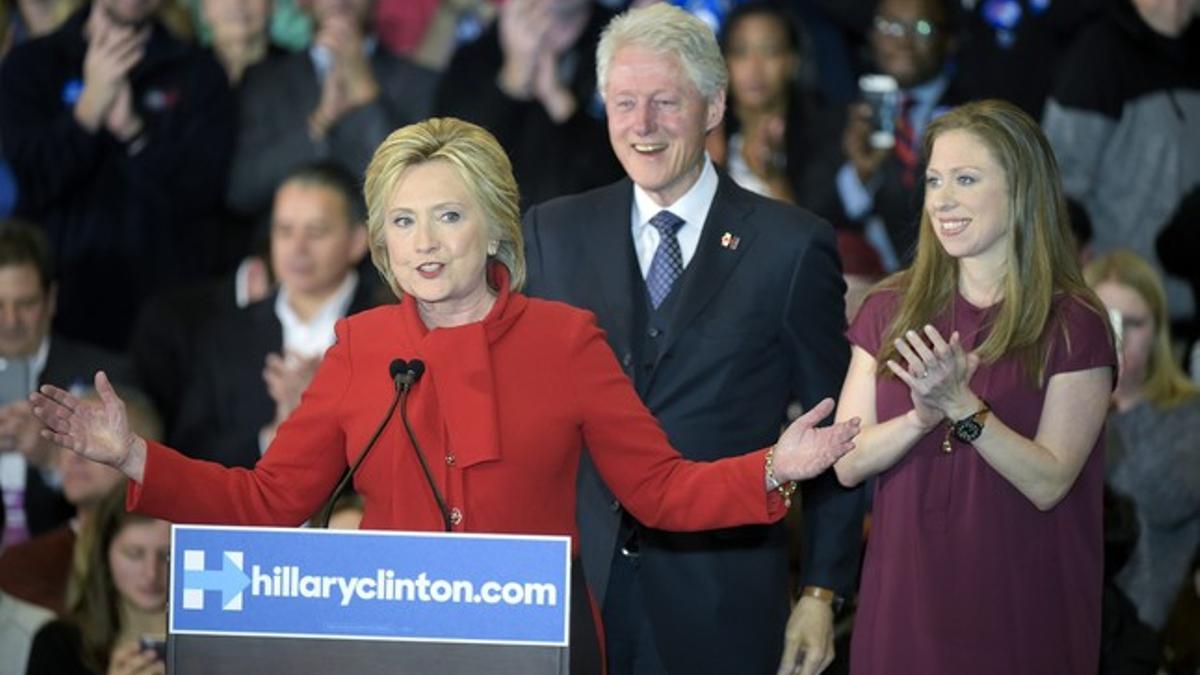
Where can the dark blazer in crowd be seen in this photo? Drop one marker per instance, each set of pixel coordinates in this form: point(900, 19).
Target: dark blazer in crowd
point(124, 220)
point(226, 403)
point(277, 98)
point(756, 321)
point(549, 159)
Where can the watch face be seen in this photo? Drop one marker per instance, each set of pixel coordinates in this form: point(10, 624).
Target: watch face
point(967, 430)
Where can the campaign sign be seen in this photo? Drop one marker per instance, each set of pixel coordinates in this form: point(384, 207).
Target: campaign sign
point(275, 582)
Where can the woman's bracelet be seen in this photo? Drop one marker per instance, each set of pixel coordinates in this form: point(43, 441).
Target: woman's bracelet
point(786, 490)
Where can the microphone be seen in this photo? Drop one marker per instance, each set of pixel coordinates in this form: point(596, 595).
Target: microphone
point(404, 375)
point(412, 372)
point(397, 369)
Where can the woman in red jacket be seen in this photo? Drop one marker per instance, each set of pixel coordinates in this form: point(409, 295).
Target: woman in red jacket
point(514, 390)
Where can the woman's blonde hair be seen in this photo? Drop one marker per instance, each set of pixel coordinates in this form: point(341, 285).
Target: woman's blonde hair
point(1041, 259)
point(1165, 382)
point(480, 162)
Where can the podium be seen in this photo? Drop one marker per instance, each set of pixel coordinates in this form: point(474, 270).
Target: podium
point(296, 601)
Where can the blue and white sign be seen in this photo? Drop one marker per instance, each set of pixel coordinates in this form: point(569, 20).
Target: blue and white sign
point(492, 589)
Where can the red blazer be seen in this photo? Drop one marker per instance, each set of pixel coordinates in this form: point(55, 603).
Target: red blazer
point(502, 413)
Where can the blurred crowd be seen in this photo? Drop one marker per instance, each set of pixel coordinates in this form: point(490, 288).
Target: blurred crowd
point(181, 206)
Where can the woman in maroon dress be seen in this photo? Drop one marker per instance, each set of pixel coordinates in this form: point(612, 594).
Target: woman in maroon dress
point(982, 376)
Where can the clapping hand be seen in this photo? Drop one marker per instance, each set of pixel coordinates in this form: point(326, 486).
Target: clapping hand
point(112, 52)
point(804, 451)
point(938, 374)
point(95, 430)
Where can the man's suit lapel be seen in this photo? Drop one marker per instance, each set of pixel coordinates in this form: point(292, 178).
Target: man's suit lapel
point(727, 234)
point(614, 268)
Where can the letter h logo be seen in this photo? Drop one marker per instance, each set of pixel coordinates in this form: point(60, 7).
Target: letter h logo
point(230, 580)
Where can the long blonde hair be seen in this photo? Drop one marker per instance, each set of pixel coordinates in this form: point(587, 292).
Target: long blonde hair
point(1165, 383)
point(1041, 261)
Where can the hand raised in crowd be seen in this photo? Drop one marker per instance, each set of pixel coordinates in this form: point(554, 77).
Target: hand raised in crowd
point(95, 430)
point(808, 639)
point(129, 659)
point(122, 120)
point(522, 29)
point(938, 374)
point(20, 431)
point(804, 451)
point(112, 52)
point(350, 83)
point(764, 149)
point(856, 143)
point(287, 376)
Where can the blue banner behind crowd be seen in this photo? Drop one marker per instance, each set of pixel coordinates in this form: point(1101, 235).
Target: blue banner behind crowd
point(370, 585)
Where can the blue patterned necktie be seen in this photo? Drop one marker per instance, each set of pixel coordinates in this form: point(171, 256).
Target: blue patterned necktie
point(667, 264)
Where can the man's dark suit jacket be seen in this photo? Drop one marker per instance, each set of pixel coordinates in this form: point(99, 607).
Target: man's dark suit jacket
point(756, 324)
point(69, 364)
point(226, 403)
point(278, 96)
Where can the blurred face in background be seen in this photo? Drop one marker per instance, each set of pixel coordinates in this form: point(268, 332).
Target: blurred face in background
point(85, 483)
point(909, 40)
point(137, 559)
point(26, 309)
point(1137, 331)
point(761, 62)
point(314, 244)
point(358, 12)
point(131, 13)
point(237, 20)
point(1168, 17)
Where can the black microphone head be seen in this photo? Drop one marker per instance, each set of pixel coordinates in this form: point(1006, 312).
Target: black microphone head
point(416, 368)
point(398, 367)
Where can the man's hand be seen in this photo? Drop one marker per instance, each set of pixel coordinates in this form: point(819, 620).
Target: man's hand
point(856, 143)
point(112, 52)
point(21, 431)
point(122, 120)
point(286, 378)
point(522, 31)
point(808, 639)
point(350, 82)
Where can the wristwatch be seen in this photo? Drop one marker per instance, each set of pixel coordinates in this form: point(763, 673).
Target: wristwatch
point(969, 428)
point(825, 595)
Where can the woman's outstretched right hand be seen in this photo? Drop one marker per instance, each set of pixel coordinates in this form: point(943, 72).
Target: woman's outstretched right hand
point(98, 431)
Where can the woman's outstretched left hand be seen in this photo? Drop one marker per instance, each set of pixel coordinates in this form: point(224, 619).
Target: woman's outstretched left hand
point(804, 451)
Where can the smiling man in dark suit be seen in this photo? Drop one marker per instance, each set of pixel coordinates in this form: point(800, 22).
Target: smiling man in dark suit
point(722, 307)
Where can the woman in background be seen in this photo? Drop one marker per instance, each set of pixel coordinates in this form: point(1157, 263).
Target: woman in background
point(120, 594)
point(776, 133)
point(1157, 419)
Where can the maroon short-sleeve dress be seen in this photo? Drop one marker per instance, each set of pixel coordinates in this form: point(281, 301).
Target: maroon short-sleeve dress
point(963, 574)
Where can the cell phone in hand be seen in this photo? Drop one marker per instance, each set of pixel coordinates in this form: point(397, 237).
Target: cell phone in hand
point(881, 93)
point(155, 643)
point(14, 380)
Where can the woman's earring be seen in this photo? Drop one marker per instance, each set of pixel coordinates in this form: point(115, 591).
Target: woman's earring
point(493, 247)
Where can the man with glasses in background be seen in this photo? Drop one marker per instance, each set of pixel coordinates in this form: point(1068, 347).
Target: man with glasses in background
point(880, 187)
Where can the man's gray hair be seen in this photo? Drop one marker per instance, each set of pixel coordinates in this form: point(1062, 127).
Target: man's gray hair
point(666, 29)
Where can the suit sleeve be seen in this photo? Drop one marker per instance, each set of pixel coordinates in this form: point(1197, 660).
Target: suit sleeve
point(270, 140)
point(285, 488)
point(815, 324)
point(50, 153)
point(200, 431)
point(635, 459)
